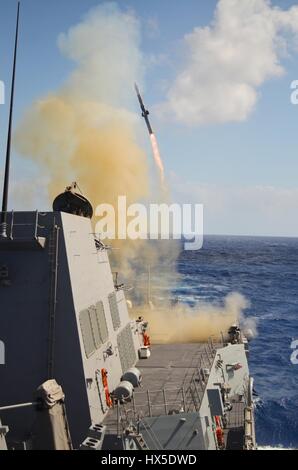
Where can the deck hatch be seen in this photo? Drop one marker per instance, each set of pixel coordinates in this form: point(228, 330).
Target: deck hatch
point(215, 402)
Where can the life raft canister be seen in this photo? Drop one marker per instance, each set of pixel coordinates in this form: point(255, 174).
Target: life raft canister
point(104, 377)
point(146, 340)
point(219, 433)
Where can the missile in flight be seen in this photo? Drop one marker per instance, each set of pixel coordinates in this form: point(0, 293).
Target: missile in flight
point(145, 112)
point(154, 144)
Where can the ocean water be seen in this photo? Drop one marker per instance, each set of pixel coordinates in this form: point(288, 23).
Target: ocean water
point(265, 271)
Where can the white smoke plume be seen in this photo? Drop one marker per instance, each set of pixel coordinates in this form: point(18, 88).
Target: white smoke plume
point(105, 47)
point(227, 62)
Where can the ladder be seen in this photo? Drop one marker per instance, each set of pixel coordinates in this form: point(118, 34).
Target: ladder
point(141, 442)
point(53, 250)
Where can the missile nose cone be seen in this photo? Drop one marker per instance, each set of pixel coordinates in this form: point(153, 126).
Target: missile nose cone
point(137, 89)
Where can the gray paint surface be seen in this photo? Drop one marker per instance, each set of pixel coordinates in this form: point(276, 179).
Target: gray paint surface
point(84, 279)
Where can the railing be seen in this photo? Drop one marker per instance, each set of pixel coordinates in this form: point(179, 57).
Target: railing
point(249, 419)
point(22, 231)
point(165, 401)
point(21, 405)
point(130, 417)
point(187, 398)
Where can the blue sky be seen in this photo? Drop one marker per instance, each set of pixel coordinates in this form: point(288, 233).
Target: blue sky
point(245, 172)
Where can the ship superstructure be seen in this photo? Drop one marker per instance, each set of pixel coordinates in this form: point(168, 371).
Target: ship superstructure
point(62, 318)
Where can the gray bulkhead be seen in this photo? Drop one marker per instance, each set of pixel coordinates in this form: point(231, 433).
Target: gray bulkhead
point(85, 330)
point(220, 374)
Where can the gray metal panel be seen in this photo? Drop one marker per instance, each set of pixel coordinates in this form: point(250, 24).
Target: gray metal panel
point(87, 334)
point(126, 348)
point(215, 402)
point(114, 310)
point(102, 322)
point(132, 357)
point(173, 432)
point(121, 349)
point(95, 327)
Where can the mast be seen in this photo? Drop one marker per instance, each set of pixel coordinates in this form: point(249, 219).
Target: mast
point(8, 148)
point(149, 284)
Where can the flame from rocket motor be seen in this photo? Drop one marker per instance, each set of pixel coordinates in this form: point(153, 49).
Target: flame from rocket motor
point(158, 160)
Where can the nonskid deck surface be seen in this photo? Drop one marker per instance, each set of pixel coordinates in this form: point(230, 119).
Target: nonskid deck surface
point(234, 432)
point(171, 383)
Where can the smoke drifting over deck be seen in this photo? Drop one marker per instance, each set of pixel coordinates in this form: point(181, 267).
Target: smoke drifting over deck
point(183, 324)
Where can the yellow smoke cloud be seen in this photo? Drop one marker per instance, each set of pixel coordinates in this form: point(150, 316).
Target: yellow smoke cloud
point(91, 142)
point(183, 324)
point(85, 132)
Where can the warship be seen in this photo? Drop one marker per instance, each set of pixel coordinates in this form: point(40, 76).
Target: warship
point(77, 371)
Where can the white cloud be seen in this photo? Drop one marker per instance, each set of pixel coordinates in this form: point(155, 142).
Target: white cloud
point(106, 48)
point(229, 60)
point(242, 210)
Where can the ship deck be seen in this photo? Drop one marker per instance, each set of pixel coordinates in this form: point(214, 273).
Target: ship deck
point(171, 383)
point(234, 432)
